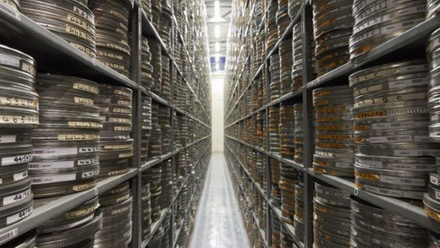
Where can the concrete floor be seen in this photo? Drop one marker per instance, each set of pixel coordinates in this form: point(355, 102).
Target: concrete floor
point(219, 223)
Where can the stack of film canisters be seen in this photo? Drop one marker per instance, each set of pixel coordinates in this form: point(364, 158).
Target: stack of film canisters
point(331, 217)
point(275, 72)
point(165, 128)
point(433, 8)
point(26, 240)
point(182, 168)
point(260, 169)
point(156, 12)
point(276, 176)
point(177, 130)
point(334, 146)
point(166, 79)
point(276, 232)
point(153, 176)
point(432, 199)
point(287, 240)
point(112, 44)
point(13, 4)
point(287, 130)
point(146, 209)
point(75, 228)
point(298, 222)
point(71, 20)
point(274, 134)
point(391, 117)
point(19, 107)
point(146, 65)
point(156, 61)
point(272, 25)
point(298, 140)
point(66, 144)
point(283, 18)
point(165, 25)
point(147, 8)
point(116, 207)
point(433, 55)
point(293, 7)
point(165, 242)
point(116, 146)
point(146, 126)
point(288, 180)
point(167, 184)
point(286, 65)
point(155, 145)
point(332, 26)
point(378, 22)
point(375, 227)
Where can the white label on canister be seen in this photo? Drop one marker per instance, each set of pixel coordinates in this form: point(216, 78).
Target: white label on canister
point(371, 163)
point(437, 194)
point(53, 179)
point(9, 60)
point(387, 139)
point(88, 149)
point(16, 217)
point(412, 167)
point(89, 174)
point(20, 176)
point(52, 165)
point(17, 197)
point(343, 165)
point(416, 153)
point(55, 152)
point(407, 124)
point(403, 181)
point(16, 160)
point(8, 235)
point(433, 180)
point(85, 87)
point(8, 139)
point(408, 83)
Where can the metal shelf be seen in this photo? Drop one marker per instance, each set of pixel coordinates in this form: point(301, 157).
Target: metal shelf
point(156, 225)
point(50, 208)
point(414, 35)
point(284, 98)
point(289, 162)
point(49, 49)
point(408, 210)
point(288, 31)
point(167, 156)
point(290, 229)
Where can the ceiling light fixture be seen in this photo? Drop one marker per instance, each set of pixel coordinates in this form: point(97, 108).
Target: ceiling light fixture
point(217, 31)
point(217, 9)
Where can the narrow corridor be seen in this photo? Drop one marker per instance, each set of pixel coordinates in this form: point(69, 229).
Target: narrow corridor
point(219, 223)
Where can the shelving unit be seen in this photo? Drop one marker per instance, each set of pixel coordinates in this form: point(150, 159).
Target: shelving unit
point(22, 33)
point(415, 37)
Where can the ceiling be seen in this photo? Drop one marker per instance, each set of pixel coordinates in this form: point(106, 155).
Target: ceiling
point(222, 22)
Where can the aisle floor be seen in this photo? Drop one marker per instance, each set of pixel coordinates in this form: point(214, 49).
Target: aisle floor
point(219, 223)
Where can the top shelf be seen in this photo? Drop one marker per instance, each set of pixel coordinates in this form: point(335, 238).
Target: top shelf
point(415, 35)
point(49, 50)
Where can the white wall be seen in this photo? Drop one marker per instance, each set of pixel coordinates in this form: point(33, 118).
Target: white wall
point(217, 89)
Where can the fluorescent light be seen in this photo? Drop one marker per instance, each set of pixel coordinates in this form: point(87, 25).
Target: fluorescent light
point(217, 31)
point(217, 58)
point(217, 46)
point(217, 9)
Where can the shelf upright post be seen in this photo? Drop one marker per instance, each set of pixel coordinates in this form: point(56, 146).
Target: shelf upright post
point(172, 110)
point(136, 184)
point(307, 38)
point(268, 168)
